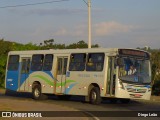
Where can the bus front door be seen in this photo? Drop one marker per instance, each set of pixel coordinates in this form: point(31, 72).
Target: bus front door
point(111, 77)
point(24, 73)
point(61, 74)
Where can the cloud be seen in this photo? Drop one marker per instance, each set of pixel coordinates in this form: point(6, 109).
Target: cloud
point(80, 31)
point(61, 32)
point(75, 31)
point(111, 28)
point(98, 30)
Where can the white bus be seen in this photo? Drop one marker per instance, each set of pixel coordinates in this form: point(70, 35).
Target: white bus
point(95, 73)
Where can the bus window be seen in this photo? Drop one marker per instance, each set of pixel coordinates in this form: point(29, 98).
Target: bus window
point(48, 61)
point(37, 62)
point(25, 65)
point(13, 62)
point(95, 62)
point(77, 62)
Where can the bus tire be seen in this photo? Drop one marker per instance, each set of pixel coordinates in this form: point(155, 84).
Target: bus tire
point(94, 96)
point(37, 94)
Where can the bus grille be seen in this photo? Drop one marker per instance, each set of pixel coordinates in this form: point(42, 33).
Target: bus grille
point(135, 90)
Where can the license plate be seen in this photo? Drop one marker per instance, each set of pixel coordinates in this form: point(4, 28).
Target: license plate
point(137, 95)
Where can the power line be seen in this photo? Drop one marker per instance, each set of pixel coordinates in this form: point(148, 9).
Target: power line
point(85, 2)
point(33, 4)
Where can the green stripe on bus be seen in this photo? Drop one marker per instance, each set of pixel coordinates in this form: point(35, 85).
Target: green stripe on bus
point(45, 79)
point(51, 83)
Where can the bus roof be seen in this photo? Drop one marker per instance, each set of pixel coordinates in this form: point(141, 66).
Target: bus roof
point(68, 51)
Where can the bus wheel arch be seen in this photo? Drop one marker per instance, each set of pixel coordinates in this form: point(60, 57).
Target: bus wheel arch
point(35, 83)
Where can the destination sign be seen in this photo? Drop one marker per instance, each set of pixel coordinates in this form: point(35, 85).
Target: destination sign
point(133, 53)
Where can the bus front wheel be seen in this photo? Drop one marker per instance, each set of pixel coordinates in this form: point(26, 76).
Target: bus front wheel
point(94, 96)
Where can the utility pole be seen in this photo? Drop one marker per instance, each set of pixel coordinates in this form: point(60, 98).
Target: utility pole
point(89, 22)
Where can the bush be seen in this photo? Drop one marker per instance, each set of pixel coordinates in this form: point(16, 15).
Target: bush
point(156, 88)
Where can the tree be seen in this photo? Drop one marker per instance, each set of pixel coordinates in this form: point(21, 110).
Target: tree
point(48, 43)
point(155, 60)
point(80, 44)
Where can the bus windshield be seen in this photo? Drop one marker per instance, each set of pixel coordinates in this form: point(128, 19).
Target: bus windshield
point(134, 70)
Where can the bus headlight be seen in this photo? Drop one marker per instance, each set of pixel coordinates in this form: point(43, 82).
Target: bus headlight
point(149, 89)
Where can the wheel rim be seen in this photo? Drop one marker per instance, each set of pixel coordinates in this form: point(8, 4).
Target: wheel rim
point(37, 92)
point(94, 95)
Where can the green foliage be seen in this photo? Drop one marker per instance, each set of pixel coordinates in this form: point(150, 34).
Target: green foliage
point(155, 61)
point(47, 44)
point(5, 47)
point(156, 87)
point(155, 67)
point(80, 44)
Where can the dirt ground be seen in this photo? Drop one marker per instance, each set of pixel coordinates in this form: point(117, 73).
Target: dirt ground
point(8, 103)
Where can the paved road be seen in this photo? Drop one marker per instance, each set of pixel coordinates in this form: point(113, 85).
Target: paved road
point(77, 103)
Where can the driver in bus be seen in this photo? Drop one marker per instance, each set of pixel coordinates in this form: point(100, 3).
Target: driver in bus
point(132, 70)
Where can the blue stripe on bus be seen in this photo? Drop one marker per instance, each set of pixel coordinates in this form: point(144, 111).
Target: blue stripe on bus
point(70, 87)
point(147, 86)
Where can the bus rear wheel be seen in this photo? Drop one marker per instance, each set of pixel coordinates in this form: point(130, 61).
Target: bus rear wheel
point(37, 94)
point(94, 96)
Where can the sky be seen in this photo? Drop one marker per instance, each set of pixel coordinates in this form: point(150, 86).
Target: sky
point(115, 23)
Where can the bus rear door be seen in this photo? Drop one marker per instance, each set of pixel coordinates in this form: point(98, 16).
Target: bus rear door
point(61, 74)
point(24, 73)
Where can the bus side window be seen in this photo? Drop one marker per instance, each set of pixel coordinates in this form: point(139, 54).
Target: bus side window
point(77, 62)
point(13, 63)
point(95, 62)
point(37, 62)
point(48, 61)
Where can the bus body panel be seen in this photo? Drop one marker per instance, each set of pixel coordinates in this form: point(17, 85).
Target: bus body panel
point(12, 80)
point(82, 80)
